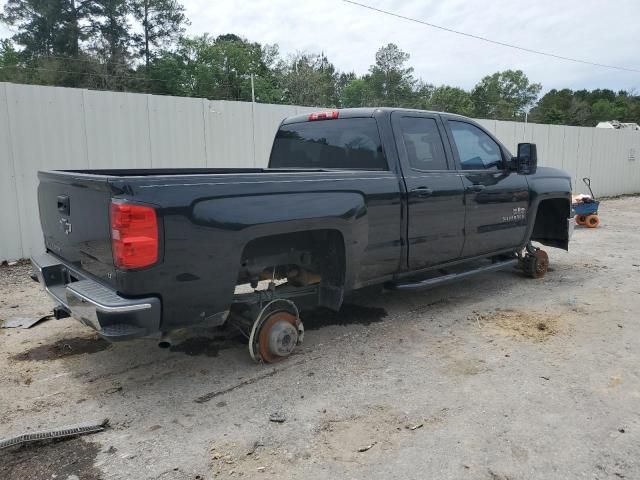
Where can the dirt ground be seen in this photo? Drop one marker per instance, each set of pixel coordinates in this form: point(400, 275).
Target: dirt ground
point(497, 377)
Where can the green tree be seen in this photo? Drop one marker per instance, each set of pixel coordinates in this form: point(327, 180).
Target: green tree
point(390, 81)
point(9, 56)
point(587, 108)
point(162, 22)
point(219, 68)
point(47, 27)
point(554, 107)
point(231, 60)
point(112, 40)
point(603, 110)
point(356, 93)
point(452, 100)
point(504, 95)
point(309, 79)
point(10, 70)
point(421, 96)
point(110, 21)
point(631, 107)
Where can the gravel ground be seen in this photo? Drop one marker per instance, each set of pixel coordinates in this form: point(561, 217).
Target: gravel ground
point(497, 377)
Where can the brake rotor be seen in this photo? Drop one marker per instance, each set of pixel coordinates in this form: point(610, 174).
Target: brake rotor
point(275, 333)
point(541, 264)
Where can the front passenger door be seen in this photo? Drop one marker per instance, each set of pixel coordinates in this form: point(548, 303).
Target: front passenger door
point(496, 198)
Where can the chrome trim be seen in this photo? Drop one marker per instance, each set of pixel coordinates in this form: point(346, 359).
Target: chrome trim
point(106, 308)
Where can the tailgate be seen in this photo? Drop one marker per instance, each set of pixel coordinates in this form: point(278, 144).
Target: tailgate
point(74, 214)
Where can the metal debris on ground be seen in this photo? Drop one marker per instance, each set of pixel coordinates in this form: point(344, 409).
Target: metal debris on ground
point(23, 322)
point(255, 446)
point(277, 417)
point(415, 427)
point(68, 431)
point(368, 447)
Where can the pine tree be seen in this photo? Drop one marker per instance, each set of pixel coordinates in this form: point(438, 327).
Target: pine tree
point(162, 22)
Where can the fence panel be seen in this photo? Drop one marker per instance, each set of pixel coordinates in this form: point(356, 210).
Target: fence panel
point(585, 153)
point(229, 134)
point(44, 128)
point(506, 132)
point(176, 132)
point(11, 237)
point(605, 162)
point(632, 152)
point(47, 132)
point(117, 126)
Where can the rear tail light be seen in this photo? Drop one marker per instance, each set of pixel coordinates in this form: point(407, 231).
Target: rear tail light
point(333, 114)
point(134, 235)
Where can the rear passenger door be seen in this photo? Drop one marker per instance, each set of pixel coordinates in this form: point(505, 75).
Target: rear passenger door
point(435, 194)
point(496, 198)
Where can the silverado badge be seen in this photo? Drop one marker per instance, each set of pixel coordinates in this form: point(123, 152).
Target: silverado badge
point(66, 226)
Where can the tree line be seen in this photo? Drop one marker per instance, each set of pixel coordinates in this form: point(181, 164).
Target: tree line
point(141, 46)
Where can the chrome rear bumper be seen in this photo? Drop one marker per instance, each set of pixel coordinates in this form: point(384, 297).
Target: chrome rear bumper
point(95, 304)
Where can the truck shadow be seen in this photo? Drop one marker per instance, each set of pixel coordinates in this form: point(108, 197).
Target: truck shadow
point(349, 314)
point(208, 345)
point(195, 367)
point(65, 347)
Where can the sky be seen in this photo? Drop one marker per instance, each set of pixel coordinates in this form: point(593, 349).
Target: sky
point(593, 30)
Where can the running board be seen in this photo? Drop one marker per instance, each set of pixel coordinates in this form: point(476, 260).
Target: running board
point(453, 277)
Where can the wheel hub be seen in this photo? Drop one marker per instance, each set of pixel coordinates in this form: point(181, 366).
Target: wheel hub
point(535, 263)
point(283, 337)
point(541, 263)
point(276, 332)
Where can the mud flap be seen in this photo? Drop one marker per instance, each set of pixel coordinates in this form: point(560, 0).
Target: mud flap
point(330, 296)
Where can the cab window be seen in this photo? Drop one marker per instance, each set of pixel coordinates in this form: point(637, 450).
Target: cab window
point(350, 143)
point(476, 149)
point(423, 143)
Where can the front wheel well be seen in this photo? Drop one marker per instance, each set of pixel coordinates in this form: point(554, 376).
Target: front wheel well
point(550, 226)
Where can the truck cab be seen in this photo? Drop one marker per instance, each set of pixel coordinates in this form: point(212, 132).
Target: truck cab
point(462, 194)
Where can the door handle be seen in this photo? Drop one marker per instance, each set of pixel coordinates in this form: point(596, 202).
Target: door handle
point(476, 187)
point(422, 192)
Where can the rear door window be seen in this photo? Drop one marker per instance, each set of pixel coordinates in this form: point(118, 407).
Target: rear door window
point(423, 143)
point(348, 143)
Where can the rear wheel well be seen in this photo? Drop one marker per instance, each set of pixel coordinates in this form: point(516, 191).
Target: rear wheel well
point(550, 227)
point(301, 258)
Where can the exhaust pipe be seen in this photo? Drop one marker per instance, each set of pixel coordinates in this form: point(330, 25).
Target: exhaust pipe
point(165, 341)
point(174, 337)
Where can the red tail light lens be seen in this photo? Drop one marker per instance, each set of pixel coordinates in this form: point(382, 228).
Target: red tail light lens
point(332, 115)
point(134, 235)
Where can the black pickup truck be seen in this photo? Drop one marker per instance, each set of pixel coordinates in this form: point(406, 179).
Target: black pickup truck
point(351, 198)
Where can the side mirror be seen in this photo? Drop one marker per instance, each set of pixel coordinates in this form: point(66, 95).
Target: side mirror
point(526, 163)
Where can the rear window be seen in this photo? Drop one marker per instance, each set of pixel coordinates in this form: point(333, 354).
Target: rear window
point(349, 143)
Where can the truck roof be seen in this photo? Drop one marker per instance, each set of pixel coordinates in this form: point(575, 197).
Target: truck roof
point(360, 112)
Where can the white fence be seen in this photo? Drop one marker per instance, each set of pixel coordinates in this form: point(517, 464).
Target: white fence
point(44, 128)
